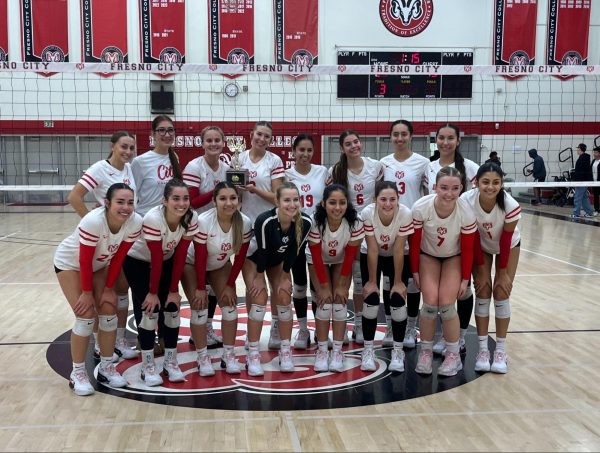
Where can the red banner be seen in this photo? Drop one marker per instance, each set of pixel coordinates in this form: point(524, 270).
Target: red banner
point(44, 30)
point(567, 33)
point(231, 32)
point(162, 29)
point(3, 30)
point(296, 32)
point(514, 33)
point(104, 31)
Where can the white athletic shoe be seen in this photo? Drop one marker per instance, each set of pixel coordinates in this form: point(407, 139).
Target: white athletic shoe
point(172, 371)
point(274, 338)
point(410, 338)
point(451, 365)
point(230, 363)
point(388, 339)
point(337, 362)
point(110, 375)
point(205, 367)
point(500, 364)
point(212, 339)
point(424, 361)
point(123, 349)
point(439, 345)
point(321, 361)
point(368, 360)
point(286, 362)
point(357, 334)
point(482, 362)
point(150, 376)
point(80, 383)
point(302, 339)
point(253, 364)
point(397, 362)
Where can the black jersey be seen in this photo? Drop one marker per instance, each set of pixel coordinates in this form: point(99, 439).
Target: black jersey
point(274, 245)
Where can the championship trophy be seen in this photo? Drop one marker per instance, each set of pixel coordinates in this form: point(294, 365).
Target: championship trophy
point(236, 175)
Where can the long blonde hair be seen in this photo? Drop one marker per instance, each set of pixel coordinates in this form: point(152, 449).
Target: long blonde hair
point(298, 223)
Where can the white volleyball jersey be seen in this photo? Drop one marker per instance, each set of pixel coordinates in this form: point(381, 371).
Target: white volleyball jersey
point(491, 224)
point(151, 173)
point(101, 175)
point(401, 225)
point(197, 173)
point(409, 175)
point(310, 186)
point(218, 242)
point(333, 243)
point(260, 174)
point(441, 237)
point(155, 228)
point(93, 230)
point(470, 167)
point(361, 186)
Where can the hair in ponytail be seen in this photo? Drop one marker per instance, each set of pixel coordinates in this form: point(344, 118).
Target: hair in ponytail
point(115, 137)
point(492, 167)
point(459, 160)
point(237, 222)
point(175, 182)
point(339, 172)
point(173, 159)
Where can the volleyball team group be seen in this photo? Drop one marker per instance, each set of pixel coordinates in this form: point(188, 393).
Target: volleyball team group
point(400, 229)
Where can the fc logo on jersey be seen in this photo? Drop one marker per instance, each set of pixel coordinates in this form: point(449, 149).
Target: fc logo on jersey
point(225, 247)
point(384, 238)
point(487, 226)
point(399, 174)
point(358, 187)
point(252, 174)
point(442, 230)
point(332, 244)
point(406, 18)
point(305, 187)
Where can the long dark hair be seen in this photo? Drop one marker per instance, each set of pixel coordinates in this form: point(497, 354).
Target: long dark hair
point(321, 213)
point(299, 138)
point(407, 123)
point(459, 160)
point(339, 172)
point(110, 193)
point(495, 168)
point(172, 184)
point(115, 137)
point(172, 156)
point(237, 222)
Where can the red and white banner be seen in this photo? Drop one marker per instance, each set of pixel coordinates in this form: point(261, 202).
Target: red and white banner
point(104, 31)
point(568, 32)
point(44, 30)
point(162, 30)
point(514, 32)
point(296, 32)
point(231, 32)
point(3, 30)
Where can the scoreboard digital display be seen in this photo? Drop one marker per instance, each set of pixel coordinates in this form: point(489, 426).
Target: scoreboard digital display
point(397, 86)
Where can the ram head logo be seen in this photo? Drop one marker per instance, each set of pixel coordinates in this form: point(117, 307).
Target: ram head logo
point(406, 10)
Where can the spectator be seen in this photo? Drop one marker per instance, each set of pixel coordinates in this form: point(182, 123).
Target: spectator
point(596, 176)
point(539, 174)
point(583, 172)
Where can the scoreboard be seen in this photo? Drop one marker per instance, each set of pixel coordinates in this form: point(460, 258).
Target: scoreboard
point(431, 86)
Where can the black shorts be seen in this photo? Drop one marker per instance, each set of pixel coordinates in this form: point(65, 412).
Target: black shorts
point(439, 258)
point(57, 270)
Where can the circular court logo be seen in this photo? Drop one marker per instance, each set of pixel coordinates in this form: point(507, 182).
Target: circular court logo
point(303, 389)
point(406, 18)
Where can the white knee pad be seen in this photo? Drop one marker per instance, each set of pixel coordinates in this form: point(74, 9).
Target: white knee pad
point(299, 291)
point(386, 284)
point(199, 317)
point(172, 319)
point(257, 313)
point(149, 321)
point(357, 278)
point(107, 323)
point(83, 327)
point(482, 307)
point(399, 314)
point(468, 293)
point(412, 288)
point(448, 312)
point(123, 302)
point(340, 312)
point(429, 311)
point(229, 313)
point(284, 313)
point(502, 308)
point(323, 312)
point(370, 311)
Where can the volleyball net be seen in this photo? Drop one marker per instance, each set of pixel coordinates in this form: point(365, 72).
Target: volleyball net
point(56, 118)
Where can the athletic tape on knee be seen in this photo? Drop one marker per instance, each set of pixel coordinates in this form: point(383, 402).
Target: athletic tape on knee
point(429, 311)
point(502, 308)
point(199, 317)
point(448, 312)
point(257, 313)
point(284, 313)
point(412, 288)
point(107, 323)
point(83, 327)
point(399, 313)
point(357, 278)
point(229, 313)
point(149, 321)
point(299, 292)
point(123, 302)
point(386, 283)
point(172, 319)
point(370, 311)
point(324, 312)
point(340, 312)
point(482, 307)
point(468, 293)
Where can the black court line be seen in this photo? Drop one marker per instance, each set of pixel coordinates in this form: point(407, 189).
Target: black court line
point(568, 218)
